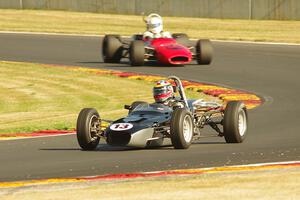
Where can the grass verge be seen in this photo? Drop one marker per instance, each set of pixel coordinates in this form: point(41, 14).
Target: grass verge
point(39, 97)
point(262, 184)
point(93, 23)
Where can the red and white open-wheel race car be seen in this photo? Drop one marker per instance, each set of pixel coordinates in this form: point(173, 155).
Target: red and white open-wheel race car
point(166, 49)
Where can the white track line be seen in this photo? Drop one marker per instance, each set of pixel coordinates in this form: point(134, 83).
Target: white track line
point(215, 168)
point(234, 166)
point(94, 35)
point(33, 137)
point(55, 34)
point(262, 43)
point(260, 164)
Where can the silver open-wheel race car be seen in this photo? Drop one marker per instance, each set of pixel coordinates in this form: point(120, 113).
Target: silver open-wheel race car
point(148, 125)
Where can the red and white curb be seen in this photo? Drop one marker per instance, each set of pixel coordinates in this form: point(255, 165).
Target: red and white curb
point(129, 176)
point(225, 94)
point(37, 134)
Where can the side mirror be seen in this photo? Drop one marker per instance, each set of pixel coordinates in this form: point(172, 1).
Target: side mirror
point(127, 107)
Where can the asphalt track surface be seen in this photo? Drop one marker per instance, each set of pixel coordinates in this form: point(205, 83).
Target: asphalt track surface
point(271, 71)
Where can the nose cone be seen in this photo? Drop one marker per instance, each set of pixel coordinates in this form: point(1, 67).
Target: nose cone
point(137, 138)
point(174, 54)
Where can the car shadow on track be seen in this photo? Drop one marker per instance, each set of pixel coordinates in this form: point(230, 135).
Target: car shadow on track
point(105, 147)
point(100, 147)
point(60, 149)
point(199, 143)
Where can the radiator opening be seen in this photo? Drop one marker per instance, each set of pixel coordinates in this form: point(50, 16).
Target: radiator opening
point(180, 59)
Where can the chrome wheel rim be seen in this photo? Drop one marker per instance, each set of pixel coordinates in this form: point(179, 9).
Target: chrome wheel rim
point(94, 127)
point(187, 128)
point(242, 120)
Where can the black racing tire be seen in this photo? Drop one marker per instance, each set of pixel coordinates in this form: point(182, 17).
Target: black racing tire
point(204, 52)
point(180, 35)
point(87, 118)
point(137, 37)
point(137, 53)
point(235, 123)
point(136, 104)
point(181, 38)
point(112, 49)
point(181, 128)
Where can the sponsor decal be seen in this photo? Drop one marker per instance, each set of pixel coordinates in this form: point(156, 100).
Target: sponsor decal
point(121, 126)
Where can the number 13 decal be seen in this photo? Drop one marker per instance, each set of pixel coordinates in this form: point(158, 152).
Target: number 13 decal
point(121, 126)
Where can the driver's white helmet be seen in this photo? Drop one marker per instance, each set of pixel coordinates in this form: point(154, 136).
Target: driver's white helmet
point(154, 23)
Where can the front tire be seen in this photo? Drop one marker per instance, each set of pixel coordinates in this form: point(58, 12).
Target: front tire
point(112, 49)
point(235, 122)
point(137, 53)
point(204, 52)
point(181, 128)
point(88, 125)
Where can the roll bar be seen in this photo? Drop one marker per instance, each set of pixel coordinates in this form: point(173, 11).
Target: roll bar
point(180, 90)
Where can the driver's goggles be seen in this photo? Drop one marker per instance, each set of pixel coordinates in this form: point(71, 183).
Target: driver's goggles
point(154, 25)
point(158, 91)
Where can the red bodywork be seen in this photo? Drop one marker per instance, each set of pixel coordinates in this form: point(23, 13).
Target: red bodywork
point(168, 51)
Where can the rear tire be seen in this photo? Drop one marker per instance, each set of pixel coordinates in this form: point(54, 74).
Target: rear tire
point(235, 122)
point(137, 37)
point(204, 52)
point(112, 49)
point(181, 38)
point(87, 123)
point(181, 128)
point(180, 35)
point(137, 53)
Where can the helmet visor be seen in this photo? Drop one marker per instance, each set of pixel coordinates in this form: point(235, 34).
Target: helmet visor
point(155, 25)
point(160, 91)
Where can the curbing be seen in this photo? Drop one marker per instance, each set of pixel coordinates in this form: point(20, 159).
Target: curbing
point(130, 176)
point(223, 93)
point(37, 134)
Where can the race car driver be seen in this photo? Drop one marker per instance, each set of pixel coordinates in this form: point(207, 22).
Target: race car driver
point(155, 27)
point(163, 93)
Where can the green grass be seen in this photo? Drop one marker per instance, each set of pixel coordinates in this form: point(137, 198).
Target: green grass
point(39, 97)
point(93, 23)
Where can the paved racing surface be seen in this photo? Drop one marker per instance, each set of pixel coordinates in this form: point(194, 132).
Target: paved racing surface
point(268, 70)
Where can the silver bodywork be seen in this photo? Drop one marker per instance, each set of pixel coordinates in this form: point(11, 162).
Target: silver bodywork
point(140, 138)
